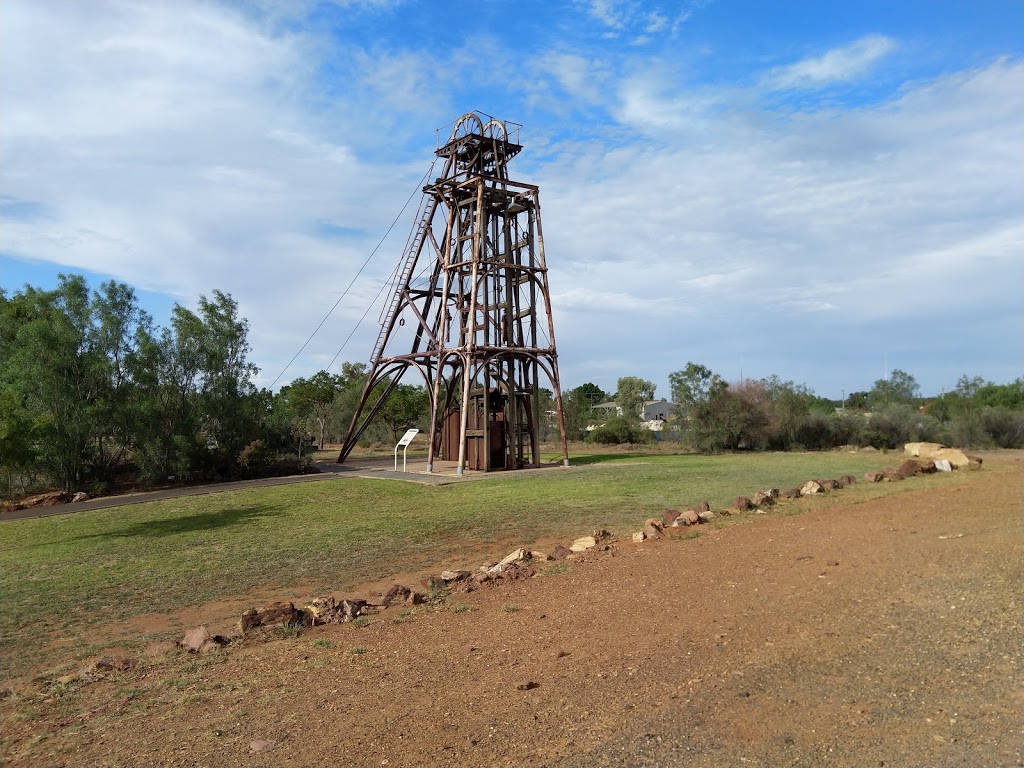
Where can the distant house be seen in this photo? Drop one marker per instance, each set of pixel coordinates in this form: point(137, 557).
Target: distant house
point(658, 410)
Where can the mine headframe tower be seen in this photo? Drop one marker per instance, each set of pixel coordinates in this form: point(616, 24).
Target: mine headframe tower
point(471, 310)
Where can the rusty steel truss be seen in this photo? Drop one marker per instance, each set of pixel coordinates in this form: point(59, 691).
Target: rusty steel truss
point(471, 310)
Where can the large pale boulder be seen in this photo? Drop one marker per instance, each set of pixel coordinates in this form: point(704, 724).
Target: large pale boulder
point(957, 458)
point(922, 450)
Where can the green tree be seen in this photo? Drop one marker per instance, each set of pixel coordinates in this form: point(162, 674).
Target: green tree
point(578, 406)
point(407, 406)
point(900, 387)
point(632, 394)
point(694, 387)
point(65, 368)
point(313, 399)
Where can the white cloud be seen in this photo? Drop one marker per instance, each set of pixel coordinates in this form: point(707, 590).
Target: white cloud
point(190, 147)
point(838, 65)
point(903, 212)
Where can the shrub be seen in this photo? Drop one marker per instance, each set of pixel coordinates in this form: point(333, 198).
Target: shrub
point(255, 458)
point(847, 429)
point(1004, 427)
point(619, 431)
point(814, 432)
point(893, 425)
point(968, 431)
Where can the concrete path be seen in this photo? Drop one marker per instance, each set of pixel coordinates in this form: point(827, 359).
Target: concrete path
point(375, 469)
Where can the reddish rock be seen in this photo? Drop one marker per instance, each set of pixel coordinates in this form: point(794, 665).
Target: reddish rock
point(689, 517)
point(908, 468)
point(514, 572)
point(50, 499)
point(669, 517)
point(742, 503)
point(702, 507)
point(652, 528)
point(847, 480)
point(764, 499)
point(199, 640)
point(928, 467)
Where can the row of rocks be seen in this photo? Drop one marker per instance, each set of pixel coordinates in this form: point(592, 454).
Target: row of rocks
point(521, 563)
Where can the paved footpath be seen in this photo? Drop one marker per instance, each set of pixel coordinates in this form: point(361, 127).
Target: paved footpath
point(371, 468)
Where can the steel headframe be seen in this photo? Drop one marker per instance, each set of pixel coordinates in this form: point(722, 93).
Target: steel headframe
point(473, 284)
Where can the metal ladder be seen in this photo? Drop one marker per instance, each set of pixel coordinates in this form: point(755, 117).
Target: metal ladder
point(412, 247)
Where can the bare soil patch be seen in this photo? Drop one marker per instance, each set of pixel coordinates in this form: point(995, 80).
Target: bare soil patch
point(881, 633)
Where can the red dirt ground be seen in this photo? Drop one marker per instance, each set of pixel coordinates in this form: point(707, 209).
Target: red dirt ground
point(885, 633)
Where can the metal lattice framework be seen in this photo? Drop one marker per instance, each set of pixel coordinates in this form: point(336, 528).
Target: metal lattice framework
point(471, 309)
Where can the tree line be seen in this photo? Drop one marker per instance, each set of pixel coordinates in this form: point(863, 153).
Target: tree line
point(94, 394)
point(710, 415)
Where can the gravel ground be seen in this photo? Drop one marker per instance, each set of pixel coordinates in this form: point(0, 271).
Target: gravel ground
point(882, 633)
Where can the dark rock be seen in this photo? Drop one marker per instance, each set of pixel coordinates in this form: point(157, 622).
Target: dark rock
point(397, 595)
point(527, 685)
point(764, 499)
point(829, 485)
point(669, 517)
point(742, 503)
point(115, 665)
point(558, 552)
point(791, 493)
point(928, 467)
point(702, 507)
point(276, 615)
point(351, 609)
point(846, 480)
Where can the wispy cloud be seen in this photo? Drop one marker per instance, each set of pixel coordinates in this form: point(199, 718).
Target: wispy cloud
point(835, 66)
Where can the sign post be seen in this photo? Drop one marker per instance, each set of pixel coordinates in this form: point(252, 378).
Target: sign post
point(404, 444)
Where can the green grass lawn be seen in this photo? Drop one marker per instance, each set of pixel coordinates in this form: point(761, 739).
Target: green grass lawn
point(60, 574)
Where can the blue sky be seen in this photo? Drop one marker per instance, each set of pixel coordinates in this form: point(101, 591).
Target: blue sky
point(823, 191)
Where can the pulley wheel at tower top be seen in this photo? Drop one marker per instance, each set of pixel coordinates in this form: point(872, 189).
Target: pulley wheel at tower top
point(468, 125)
point(495, 129)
